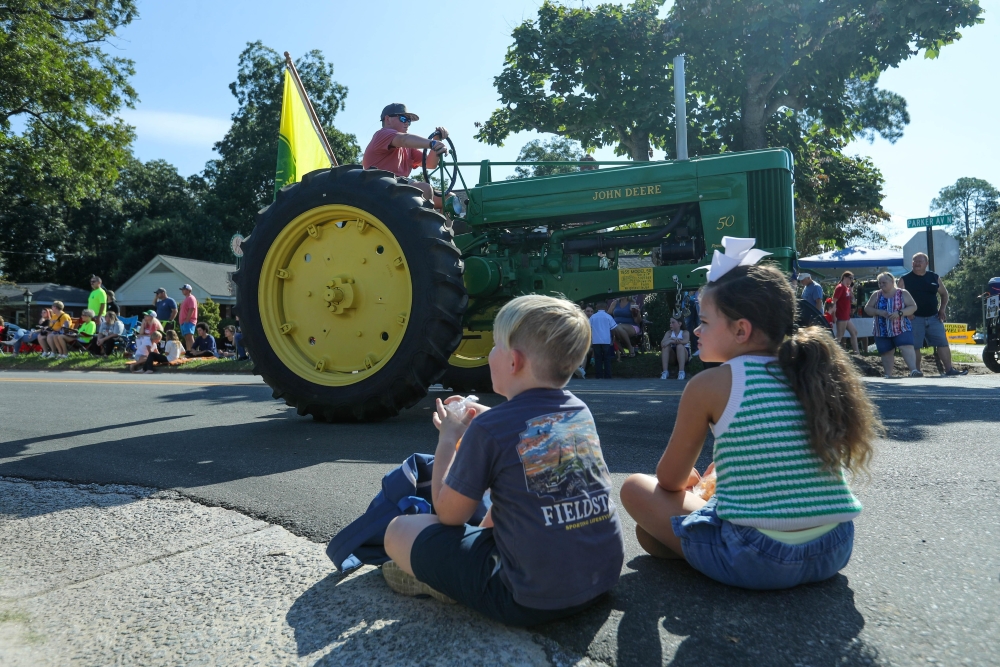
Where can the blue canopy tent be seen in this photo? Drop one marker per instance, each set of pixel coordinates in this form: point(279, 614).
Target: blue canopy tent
point(859, 261)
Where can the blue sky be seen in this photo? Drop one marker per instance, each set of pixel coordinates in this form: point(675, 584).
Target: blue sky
point(440, 58)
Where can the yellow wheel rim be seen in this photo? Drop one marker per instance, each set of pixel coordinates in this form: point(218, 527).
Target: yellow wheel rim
point(335, 295)
point(474, 350)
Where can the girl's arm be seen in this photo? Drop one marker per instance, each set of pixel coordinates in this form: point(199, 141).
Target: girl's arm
point(703, 402)
point(611, 307)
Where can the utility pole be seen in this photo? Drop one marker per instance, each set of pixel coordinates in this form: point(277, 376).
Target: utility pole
point(680, 108)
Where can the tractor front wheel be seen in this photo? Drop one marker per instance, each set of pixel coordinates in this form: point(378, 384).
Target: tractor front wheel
point(350, 295)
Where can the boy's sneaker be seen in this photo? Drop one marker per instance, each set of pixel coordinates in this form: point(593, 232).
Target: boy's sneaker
point(953, 372)
point(665, 375)
point(64, 356)
point(681, 376)
point(915, 373)
point(45, 355)
point(407, 584)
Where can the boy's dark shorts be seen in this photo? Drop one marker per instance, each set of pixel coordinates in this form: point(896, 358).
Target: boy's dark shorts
point(463, 563)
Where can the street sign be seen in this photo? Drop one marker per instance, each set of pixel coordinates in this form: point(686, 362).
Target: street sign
point(914, 223)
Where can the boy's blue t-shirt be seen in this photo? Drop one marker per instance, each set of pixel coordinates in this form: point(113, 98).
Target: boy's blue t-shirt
point(555, 524)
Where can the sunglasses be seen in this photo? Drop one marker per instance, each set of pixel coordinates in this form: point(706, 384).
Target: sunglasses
point(405, 119)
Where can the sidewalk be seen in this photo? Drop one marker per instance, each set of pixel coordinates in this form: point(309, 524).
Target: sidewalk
point(116, 575)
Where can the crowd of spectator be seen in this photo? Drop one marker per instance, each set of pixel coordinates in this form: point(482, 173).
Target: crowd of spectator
point(618, 329)
point(163, 335)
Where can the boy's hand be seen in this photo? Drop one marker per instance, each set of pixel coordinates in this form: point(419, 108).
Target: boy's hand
point(480, 408)
point(450, 425)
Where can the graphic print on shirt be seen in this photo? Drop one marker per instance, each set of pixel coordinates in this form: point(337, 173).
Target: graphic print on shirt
point(561, 456)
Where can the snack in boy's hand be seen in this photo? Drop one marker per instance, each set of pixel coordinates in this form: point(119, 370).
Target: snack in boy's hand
point(459, 408)
point(706, 487)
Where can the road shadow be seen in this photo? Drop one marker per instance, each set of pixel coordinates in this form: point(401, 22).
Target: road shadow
point(659, 604)
point(908, 411)
point(21, 499)
point(219, 394)
point(357, 620)
point(15, 447)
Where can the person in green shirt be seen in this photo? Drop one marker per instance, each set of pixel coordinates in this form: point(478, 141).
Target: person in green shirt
point(89, 327)
point(80, 338)
point(98, 299)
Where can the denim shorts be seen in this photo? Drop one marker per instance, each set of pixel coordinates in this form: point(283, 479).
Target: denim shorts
point(889, 344)
point(930, 329)
point(187, 329)
point(463, 562)
point(745, 557)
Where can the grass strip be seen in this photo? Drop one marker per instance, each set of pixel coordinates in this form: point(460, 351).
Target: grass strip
point(81, 361)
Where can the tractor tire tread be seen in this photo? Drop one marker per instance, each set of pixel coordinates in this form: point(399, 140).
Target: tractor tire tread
point(438, 329)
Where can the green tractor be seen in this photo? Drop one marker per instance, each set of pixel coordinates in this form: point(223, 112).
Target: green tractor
point(355, 294)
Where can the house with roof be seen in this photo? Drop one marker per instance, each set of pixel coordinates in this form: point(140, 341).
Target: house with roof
point(12, 306)
point(208, 280)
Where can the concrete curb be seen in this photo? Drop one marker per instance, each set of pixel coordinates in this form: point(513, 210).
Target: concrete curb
point(109, 575)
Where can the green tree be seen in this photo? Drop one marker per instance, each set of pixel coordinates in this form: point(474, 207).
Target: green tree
point(208, 312)
point(599, 76)
point(150, 209)
point(967, 281)
point(838, 198)
point(972, 201)
point(241, 181)
point(556, 149)
point(59, 93)
point(60, 143)
point(819, 57)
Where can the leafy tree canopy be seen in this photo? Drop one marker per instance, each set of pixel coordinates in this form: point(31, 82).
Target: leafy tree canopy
point(971, 200)
point(59, 92)
point(241, 181)
point(556, 149)
point(600, 77)
point(150, 209)
point(819, 57)
point(968, 281)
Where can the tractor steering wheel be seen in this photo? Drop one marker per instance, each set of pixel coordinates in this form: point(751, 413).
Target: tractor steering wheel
point(442, 168)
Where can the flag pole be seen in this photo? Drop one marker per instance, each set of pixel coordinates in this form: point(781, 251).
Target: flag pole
point(312, 112)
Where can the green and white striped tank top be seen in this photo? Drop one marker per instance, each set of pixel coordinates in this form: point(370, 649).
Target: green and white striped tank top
point(768, 475)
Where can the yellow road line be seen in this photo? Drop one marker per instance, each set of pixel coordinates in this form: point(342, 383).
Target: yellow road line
point(137, 381)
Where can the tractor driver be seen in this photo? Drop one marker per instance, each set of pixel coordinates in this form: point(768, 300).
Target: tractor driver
point(392, 148)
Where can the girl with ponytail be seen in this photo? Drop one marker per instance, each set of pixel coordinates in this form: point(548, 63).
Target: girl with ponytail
point(789, 415)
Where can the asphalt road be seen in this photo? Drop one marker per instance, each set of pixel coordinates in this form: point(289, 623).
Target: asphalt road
point(923, 585)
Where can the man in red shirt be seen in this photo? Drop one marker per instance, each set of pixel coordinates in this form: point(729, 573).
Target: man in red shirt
point(392, 148)
point(843, 297)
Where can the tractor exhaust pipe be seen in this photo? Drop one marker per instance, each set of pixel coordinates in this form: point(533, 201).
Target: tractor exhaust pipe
point(680, 108)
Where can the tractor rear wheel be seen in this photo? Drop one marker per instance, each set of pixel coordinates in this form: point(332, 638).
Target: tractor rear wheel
point(350, 295)
point(469, 365)
point(991, 357)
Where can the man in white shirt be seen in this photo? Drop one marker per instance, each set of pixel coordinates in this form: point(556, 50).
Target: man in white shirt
point(601, 324)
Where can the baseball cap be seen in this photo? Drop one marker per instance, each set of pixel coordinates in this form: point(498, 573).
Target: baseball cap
point(395, 109)
point(803, 276)
point(159, 289)
point(186, 286)
point(150, 312)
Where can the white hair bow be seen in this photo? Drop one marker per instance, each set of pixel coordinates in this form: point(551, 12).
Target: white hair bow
point(739, 252)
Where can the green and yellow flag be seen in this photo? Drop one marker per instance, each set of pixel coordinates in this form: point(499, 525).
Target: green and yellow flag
point(300, 149)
